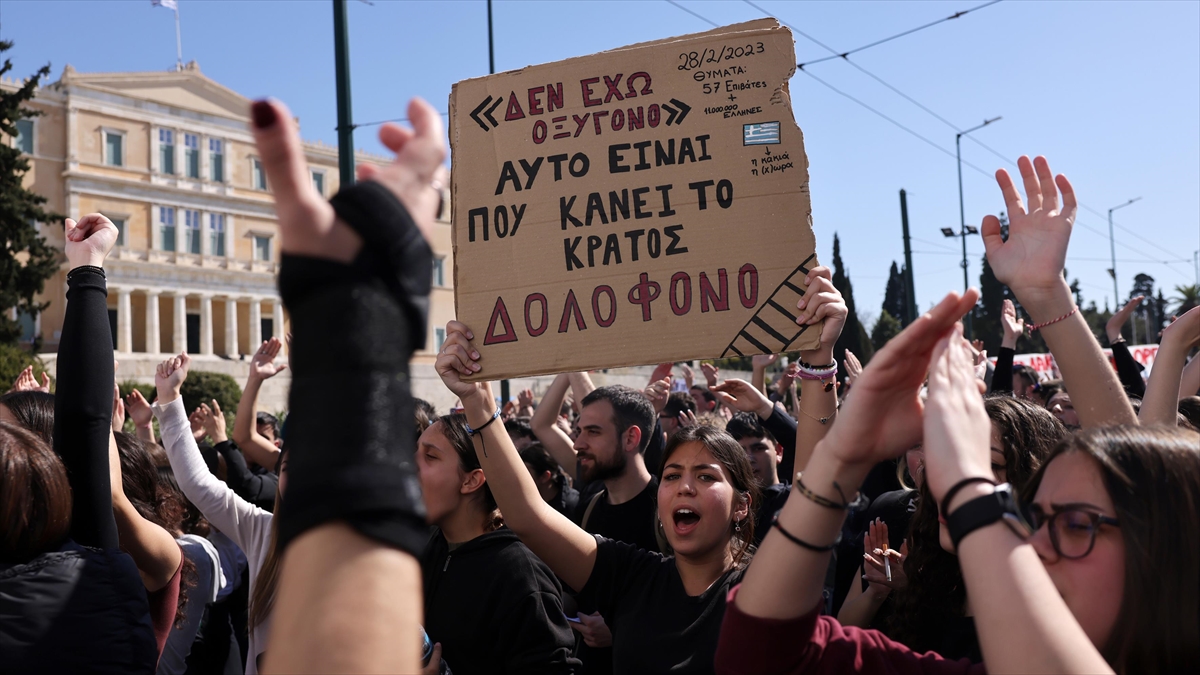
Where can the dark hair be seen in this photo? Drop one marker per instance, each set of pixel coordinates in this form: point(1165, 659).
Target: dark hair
point(422, 420)
point(730, 455)
point(630, 408)
point(519, 428)
point(454, 428)
point(34, 410)
point(935, 592)
point(1047, 390)
point(155, 501)
point(538, 457)
point(1189, 407)
point(425, 407)
point(267, 419)
point(677, 402)
point(1026, 372)
point(1152, 475)
point(704, 393)
point(36, 504)
point(747, 425)
point(564, 410)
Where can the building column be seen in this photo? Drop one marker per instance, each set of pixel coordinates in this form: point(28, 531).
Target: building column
point(179, 318)
point(206, 327)
point(255, 323)
point(124, 321)
point(231, 326)
point(277, 324)
point(152, 332)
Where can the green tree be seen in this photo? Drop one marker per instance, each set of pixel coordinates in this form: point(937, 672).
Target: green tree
point(1185, 298)
point(895, 300)
point(13, 360)
point(886, 328)
point(854, 337)
point(203, 386)
point(26, 260)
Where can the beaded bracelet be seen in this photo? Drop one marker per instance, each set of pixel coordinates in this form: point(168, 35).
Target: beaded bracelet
point(1040, 326)
point(472, 432)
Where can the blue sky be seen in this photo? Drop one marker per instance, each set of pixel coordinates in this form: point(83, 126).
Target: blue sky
point(1108, 91)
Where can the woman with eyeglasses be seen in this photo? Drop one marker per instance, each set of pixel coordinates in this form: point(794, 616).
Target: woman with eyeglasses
point(1106, 577)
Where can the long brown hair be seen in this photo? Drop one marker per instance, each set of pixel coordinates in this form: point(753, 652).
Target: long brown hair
point(263, 597)
point(730, 455)
point(35, 496)
point(1152, 475)
point(935, 591)
point(454, 428)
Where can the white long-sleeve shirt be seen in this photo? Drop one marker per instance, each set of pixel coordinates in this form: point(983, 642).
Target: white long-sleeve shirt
point(246, 524)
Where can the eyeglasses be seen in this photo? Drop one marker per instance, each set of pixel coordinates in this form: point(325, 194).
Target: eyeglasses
point(1072, 529)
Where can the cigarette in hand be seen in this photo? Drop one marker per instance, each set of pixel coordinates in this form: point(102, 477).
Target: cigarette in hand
point(887, 565)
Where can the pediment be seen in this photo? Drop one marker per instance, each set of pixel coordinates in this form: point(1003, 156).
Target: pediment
point(188, 89)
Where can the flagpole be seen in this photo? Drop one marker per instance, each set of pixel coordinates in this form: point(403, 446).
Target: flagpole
point(178, 42)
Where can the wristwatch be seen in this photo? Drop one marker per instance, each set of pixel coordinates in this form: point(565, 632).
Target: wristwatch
point(983, 511)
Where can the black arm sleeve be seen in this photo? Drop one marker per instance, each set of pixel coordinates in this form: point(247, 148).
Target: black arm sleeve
point(258, 489)
point(1002, 375)
point(654, 450)
point(783, 428)
point(354, 327)
point(1128, 371)
point(83, 401)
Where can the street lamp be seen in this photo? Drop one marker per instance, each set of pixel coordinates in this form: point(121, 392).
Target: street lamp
point(1112, 243)
point(962, 215)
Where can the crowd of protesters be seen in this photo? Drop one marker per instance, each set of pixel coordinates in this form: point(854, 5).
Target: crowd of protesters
point(903, 516)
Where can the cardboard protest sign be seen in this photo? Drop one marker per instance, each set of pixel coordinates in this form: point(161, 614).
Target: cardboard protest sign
point(644, 204)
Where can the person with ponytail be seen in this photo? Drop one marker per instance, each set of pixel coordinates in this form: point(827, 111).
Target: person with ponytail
point(250, 527)
point(491, 606)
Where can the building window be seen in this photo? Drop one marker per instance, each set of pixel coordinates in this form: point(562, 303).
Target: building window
point(216, 228)
point(439, 339)
point(439, 271)
point(166, 219)
point(267, 326)
point(191, 155)
point(262, 248)
point(24, 140)
point(28, 324)
point(216, 159)
point(120, 223)
point(191, 231)
point(114, 148)
point(257, 176)
point(166, 151)
point(318, 178)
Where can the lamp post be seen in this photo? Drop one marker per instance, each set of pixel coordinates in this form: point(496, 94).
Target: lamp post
point(1112, 244)
point(962, 213)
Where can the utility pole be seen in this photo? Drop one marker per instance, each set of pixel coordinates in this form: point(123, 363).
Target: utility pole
point(910, 304)
point(1112, 245)
point(962, 215)
point(505, 390)
point(341, 61)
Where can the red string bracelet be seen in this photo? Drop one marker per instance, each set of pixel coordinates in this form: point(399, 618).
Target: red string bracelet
point(1052, 321)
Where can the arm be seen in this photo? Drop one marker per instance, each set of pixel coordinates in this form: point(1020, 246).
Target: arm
point(1013, 328)
point(861, 606)
point(568, 550)
point(1161, 403)
point(245, 427)
point(818, 403)
point(758, 373)
point(142, 416)
point(581, 385)
point(1127, 370)
point(1031, 264)
point(525, 403)
point(83, 399)
point(1189, 383)
point(152, 548)
point(545, 416)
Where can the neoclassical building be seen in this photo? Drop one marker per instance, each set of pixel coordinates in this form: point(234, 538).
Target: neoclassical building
point(169, 157)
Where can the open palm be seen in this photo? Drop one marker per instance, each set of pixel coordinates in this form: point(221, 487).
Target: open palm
point(1032, 259)
point(263, 363)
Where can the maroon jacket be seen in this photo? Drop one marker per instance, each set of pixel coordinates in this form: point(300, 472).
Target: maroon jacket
point(816, 645)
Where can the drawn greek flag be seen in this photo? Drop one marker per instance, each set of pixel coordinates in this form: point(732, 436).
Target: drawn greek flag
point(765, 133)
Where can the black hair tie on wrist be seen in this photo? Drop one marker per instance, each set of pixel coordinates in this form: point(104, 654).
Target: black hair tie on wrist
point(800, 542)
point(945, 503)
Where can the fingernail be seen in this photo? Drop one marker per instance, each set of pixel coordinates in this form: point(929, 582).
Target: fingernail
point(263, 114)
point(470, 335)
point(801, 304)
point(474, 355)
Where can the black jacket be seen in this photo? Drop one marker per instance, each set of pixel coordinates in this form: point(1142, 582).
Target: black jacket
point(257, 487)
point(75, 610)
point(495, 607)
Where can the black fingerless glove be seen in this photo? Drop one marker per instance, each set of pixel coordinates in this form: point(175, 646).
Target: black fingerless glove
point(350, 421)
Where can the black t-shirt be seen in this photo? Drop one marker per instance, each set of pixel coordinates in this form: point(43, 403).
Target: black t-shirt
point(657, 627)
point(631, 522)
point(773, 499)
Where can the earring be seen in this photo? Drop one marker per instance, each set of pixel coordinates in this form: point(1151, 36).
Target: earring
point(738, 527)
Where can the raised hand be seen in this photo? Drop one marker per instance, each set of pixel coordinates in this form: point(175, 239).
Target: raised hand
point(169, 377)
point(687, 418)
point(262, 364)
point(853, 367)
point(1014, 327)
point(957, 428)
point(786, 378)
point(214, 422)
point(875, 545)
point(1117, 321)
point(89, 240)
point(307, 223)
point(27, 382)
point(822, 302)
point(525, 398)
point(883, 417)
point(711, 373)
point(118, 410)
point(1031, 261)
point(138, 409)
point(743, 396)
point(689, 376)
point(660, 371)
point(761, 361)
point(658, 392)
point(196, 420)
point(457, 360)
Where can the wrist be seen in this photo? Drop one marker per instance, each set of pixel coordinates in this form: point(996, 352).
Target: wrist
point(820, 355)
point(825, 468)
point(967, 493)
point(1046, 303)
point(1009, 342)
point(877, 592)
point(147, 425)
point(165, 395)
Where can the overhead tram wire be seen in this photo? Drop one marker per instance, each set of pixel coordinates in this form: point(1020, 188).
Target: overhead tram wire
point(398, 119)
point(842, 55)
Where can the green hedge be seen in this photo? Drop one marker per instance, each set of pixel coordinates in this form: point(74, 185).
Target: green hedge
point(13, 360)
point(202, 387)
